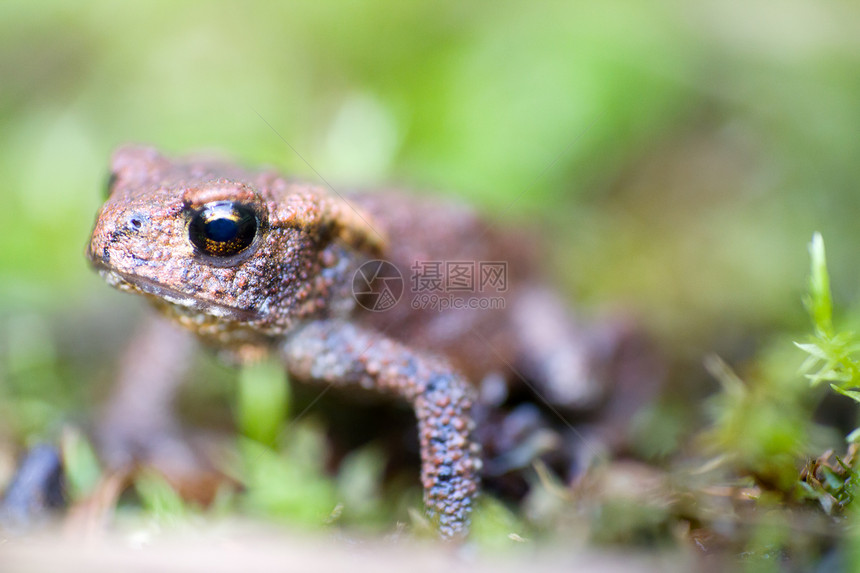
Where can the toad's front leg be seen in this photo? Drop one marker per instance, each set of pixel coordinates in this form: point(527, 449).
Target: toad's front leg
point(340, 353)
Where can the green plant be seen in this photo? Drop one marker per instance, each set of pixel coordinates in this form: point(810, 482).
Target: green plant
point(833, 355)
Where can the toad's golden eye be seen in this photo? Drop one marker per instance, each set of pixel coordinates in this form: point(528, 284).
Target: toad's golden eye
point(223, 228)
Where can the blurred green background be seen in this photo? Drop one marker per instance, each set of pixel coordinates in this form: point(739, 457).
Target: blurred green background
point(677, 156)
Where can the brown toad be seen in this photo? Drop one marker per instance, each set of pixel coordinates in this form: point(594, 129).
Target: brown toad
point(254, 263)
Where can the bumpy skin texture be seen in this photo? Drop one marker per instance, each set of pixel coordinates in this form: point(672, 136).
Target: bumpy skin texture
point(291, 292)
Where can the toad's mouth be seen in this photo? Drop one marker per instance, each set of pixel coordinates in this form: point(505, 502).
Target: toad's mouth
point(182, 302)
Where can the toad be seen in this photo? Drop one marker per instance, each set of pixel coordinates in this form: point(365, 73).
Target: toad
point(393, 293)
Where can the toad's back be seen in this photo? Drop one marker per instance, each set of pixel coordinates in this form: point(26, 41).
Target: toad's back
point(473, 292)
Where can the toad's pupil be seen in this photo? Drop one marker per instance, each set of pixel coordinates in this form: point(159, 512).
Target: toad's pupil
point(222, 228)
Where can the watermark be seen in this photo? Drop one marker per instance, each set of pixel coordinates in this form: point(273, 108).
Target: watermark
point(378, 285)
point(448, 302)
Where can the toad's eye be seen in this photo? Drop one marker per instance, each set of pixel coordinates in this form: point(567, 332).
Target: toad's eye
point(223, 228)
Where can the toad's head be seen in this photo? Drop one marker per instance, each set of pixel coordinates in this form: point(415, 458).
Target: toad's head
point(229, 253)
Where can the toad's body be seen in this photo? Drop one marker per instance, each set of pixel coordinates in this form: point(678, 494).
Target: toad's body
point(254, 263)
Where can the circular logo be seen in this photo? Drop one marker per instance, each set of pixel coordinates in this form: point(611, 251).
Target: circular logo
point(377, 285)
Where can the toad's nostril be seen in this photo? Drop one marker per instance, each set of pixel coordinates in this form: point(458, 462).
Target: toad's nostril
point(135, 222)
point(105, 255)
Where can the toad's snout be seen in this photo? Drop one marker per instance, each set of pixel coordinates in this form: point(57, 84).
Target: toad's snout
point(111, 234)
point(97, 251)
